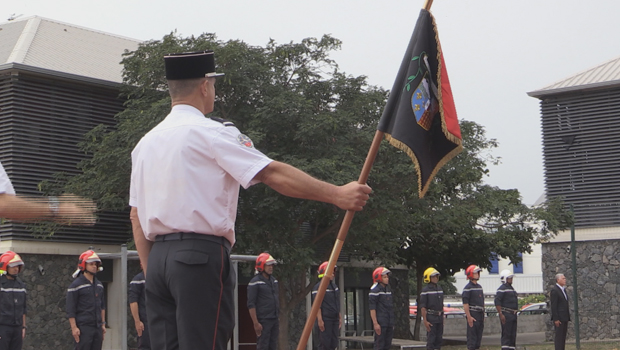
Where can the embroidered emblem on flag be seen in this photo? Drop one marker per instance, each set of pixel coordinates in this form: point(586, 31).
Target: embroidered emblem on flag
point(423, 104)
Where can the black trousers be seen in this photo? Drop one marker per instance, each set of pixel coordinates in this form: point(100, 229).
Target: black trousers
point(474, 334)
point(91, 338)
point(144, 342)
point(509, 331)
point(434, 338)
point(384, 341)
point(560, 335)
point(328, 339)
point(11, 337)
point(189, 295)
point(268, 339)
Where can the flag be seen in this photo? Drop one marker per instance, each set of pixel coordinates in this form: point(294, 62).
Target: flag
point(419, 117)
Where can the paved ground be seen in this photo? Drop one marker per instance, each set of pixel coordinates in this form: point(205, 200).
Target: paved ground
point(522, 339)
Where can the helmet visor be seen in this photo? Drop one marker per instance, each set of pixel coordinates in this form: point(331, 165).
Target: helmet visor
point(16, 263)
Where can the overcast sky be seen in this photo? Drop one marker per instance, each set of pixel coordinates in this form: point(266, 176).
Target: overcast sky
point(495, 50)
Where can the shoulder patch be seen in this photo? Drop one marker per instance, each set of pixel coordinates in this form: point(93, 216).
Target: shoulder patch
point(223, 121)
point(245, 141)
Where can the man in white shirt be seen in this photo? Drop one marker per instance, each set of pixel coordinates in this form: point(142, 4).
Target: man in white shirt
point(67, 209)
point(185, 180)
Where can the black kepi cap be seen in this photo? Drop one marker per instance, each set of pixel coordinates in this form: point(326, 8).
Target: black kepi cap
point(190, 65)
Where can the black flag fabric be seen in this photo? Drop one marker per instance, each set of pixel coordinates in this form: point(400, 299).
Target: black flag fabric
point(419, 117)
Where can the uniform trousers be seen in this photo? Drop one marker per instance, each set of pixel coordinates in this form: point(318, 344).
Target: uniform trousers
point(474, 334)
point(91, 338)
point(144, 342)
point(560, 336)
point(434, 338)
point(328, 339)
point(11, 337)
point(268, 339)
point(189, 294)
point(384, 341)
point(509, 331)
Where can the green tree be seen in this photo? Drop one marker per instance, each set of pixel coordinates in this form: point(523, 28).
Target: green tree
point(462, 221)
point(321, 121)
point(297, 107)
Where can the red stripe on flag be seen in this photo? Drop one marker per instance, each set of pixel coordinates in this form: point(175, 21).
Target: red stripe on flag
point(449, 110)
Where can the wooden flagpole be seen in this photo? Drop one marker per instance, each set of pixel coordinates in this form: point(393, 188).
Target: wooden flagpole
point(342, 234)
point(427, 5)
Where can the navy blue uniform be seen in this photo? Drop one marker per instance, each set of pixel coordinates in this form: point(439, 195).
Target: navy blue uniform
point(138, 295)
point(85, 300)
point(330, 312)
point(474, 296)
point(263, 295)
point(431, 299)
point(380, 300)
point(506, 298)
point(12, 311)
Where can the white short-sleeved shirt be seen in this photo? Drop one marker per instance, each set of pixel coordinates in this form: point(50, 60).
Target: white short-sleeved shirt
point(186, 174)
point(5, 183)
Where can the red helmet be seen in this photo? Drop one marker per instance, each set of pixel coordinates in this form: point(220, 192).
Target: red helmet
point(323, 268)
point(10, 259)
point(471, 269)
point(378, 272)
point(86, 257)
point(263, 260)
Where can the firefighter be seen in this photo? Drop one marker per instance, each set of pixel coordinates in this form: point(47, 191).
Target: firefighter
point(137, 305)
point(381, 308)
point(12, 302)
point(264, 303)
point(431, 304)
point(328, 318)
point(473, 305)
point(507, 305)
point(86, 304)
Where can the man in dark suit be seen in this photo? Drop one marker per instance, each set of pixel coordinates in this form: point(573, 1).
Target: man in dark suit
point(559, 311)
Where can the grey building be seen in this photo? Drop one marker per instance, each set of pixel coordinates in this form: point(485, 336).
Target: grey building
point(580, 118)
point(58, 81)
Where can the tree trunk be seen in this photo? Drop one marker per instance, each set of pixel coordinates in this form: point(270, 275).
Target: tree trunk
point(418, 318)
point(292, 292)
point(284, 318)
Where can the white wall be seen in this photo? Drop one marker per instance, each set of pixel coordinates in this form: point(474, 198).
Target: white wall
point(530, 281)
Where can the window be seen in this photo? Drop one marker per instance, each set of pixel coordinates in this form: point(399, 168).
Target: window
point(494, 264)
point(518, 268)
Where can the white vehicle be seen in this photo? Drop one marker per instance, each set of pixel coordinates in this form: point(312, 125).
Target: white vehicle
point(534, 309)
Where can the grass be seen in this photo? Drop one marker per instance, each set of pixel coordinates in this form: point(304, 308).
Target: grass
point(549, 346)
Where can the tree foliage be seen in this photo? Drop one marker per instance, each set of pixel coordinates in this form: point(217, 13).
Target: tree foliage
point(297, 107)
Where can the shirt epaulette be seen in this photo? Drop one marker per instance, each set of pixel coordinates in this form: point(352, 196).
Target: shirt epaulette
point(223, 121)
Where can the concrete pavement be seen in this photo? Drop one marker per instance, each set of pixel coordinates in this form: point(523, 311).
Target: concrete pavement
point(494, 339)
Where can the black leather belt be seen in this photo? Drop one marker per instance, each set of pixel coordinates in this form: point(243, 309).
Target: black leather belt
point(476, 308)
point(434, 312)
point(180, 236)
